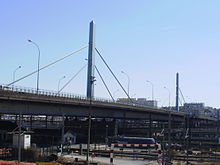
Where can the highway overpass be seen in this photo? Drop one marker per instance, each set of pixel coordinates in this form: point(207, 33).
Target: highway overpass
point(31, 102)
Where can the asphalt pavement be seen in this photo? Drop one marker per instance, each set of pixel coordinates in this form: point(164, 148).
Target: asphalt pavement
point(116, 161)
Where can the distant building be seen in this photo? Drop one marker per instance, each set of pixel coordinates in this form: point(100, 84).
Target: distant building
point(144, 101)
point(126, 100)
point(69, 137)
point(139, 101)
point(25, 141)
point(211, 112)
point(193, 108)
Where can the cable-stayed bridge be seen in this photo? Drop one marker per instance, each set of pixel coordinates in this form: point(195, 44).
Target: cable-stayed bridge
point(25, 101)
point(29, 101)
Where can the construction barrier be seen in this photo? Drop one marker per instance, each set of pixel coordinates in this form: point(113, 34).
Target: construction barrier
point(141, 146)
point(137, 145)
point(47, 163)
point(112, 153)
point(4, 151)
point(2, 162)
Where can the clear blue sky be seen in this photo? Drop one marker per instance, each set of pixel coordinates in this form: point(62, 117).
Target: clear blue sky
point(147, 39)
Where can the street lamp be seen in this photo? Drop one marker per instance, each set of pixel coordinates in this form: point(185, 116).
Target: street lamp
point(38, 64)
point(128, 81)
point(169, 95)
point(58, 88)
point(152, 88)
point(14, 74)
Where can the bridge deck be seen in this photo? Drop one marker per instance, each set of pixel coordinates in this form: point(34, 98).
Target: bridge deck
point(15, 101)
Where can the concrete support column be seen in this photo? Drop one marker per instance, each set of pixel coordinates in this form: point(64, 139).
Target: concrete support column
point(150, 126)
point(123, 126)
point(63, 127)
point(116, 127)
point(31, 122)
point(190, 130)
point(46, 121)
point(16, 118)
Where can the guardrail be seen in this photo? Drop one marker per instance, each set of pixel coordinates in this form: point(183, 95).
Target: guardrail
point(43, 92)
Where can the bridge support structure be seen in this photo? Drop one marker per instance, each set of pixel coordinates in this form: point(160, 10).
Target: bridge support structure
point(177, 91)
point(91, 62)
point(115, 127)
point(150, 126)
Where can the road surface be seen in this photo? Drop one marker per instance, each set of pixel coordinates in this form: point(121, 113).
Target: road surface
point(117, 161)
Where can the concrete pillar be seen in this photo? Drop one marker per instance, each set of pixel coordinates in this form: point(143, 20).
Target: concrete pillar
point(150, 125)
point(31, 122)
point(116, 128)
point(91, 61)
point(63, 127)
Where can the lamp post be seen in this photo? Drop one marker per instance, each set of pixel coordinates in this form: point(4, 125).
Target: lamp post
point(169, 95)
point(14, 74)
point(152, 89)
point(38, 64)
point(169, 126)
point(128, 81)
point(58, 88)
point(19, 138)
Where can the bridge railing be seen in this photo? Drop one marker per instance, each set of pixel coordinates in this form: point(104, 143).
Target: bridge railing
point(43, 92)
point(63, 95)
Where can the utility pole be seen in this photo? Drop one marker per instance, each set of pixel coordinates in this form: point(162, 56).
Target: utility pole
point(63, 131)
point(38, 63)
point(19, 139)
point(169, 136)
point(162, 143)
point(88, 140)
point(177, 91)
point(187, 139)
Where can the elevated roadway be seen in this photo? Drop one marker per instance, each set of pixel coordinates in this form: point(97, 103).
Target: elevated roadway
point(31, 102)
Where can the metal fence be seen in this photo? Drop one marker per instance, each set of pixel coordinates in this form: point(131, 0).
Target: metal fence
point(43, 92)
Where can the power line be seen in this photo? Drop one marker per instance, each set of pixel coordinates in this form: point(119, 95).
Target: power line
point(70, 54)
point(104, 83)
point(113, 75)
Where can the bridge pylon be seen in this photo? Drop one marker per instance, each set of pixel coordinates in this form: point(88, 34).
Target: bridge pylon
point(177, 91)
point(91, 61)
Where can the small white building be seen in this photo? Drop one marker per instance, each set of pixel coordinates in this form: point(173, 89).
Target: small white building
point(69, 138)
point(25, 140)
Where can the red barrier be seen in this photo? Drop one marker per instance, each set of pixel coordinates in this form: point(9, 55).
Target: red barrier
point(3, 162)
